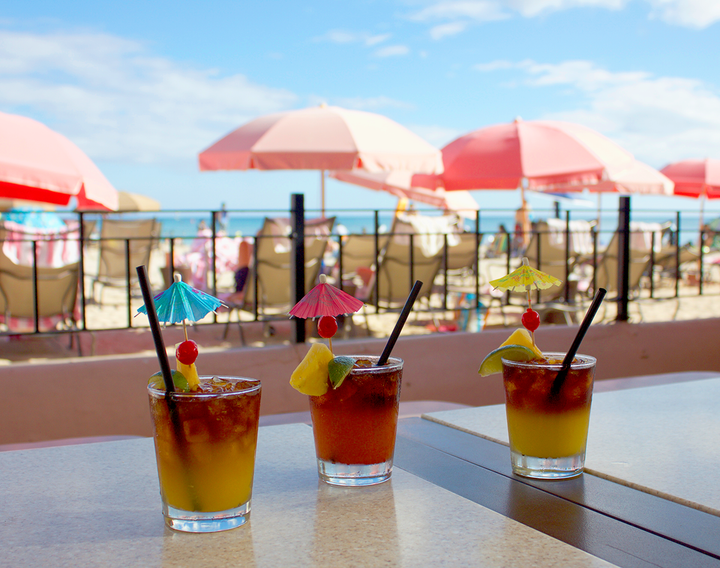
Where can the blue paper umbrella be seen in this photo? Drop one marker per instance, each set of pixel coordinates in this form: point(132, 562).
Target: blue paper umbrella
point(182, 302)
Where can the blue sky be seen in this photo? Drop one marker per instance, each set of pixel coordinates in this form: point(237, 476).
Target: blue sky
point(144, 86)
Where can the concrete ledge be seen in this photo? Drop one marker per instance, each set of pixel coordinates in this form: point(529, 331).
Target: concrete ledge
point(105, 396)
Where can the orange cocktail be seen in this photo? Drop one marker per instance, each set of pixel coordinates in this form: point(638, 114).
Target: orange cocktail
point(205, 446)
point(355, 424)
point(548, 429)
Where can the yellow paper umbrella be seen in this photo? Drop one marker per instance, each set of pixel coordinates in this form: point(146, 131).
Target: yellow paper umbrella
point(524, 279)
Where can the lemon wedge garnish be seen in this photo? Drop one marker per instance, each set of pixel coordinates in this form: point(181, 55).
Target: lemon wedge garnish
point(522, 337)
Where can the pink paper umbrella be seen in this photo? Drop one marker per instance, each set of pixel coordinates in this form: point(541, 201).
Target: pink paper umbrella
point(325, 300)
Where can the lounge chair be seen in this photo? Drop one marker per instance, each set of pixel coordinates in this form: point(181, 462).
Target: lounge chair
point(606, 275)
point(358, 252)
point(116, 236)
point(57, 290)
point(405, 259)
point(267, 293)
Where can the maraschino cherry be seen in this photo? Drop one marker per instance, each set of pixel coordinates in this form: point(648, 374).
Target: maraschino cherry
point(187, 352)
point(531, 320)
point(327, 327)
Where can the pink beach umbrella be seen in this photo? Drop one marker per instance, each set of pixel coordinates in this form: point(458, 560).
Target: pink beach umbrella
point(41, 166)
point(527, 154)
point(322, 138)
point(400, 184)
point(540, 155)
point(696, 178)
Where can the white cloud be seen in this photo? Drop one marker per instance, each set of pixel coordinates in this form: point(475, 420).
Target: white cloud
point(495, 65)
point(531, 8)
point(443, 30)
point(392, 51)
point(690, 13)
point(458, 15)
point(120, 103)
point(344, 36)
point(476, 10)
point(659, 119)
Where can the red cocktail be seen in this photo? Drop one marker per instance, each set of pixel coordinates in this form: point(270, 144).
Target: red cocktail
point(355, 424)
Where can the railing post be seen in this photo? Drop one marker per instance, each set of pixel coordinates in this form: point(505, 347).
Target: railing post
point(376, 287)
point(623, 284)
point(677, 255)
point(213, 256)
point(36, 287)
point(297, 262)
point(81, 268)
point(567, 255)
point(478, 237)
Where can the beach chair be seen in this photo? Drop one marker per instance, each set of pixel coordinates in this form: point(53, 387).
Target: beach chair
point(267, 293)
point(57, 290)
point(606, 274)
point(405, 259)
point(116, 235)
point(358, 252)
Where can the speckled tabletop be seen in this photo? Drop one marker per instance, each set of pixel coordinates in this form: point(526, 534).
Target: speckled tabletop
point(98, 505)
point(664, 440)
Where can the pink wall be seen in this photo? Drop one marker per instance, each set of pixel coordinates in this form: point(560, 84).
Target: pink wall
point(100, 396)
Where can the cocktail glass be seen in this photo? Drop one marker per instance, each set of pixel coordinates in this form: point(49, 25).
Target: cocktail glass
point(548, 428)
point(355, 424)
point(205, 447)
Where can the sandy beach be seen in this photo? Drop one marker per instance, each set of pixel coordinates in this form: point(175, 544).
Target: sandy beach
point(107, 319)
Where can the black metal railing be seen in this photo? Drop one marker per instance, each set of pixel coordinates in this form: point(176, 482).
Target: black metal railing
point(297, 214)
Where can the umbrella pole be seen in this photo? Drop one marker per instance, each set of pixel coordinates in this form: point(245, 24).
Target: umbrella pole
point(322, 193)
point(702, 214)
point(185, 330)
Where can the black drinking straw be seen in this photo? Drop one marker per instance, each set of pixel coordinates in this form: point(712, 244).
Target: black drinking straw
point(167, 377)
point(570, 355)
point(155, 328)
point(407, 308)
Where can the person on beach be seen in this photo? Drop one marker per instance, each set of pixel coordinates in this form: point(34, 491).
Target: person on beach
point(523, 227)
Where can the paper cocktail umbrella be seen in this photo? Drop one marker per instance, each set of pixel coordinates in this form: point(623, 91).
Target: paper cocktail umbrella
point(325, 301)
point(181, 302)
point(524, 279)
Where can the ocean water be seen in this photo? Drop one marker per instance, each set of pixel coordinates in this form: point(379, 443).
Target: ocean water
point(185, 225)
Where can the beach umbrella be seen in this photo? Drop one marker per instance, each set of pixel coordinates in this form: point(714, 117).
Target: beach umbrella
point(399, 183)
point(633, 178)
point(696, 178)
point(527, 154)
point(541, 155)
point(322, 138)
point(136, 202)
point(41, 166)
